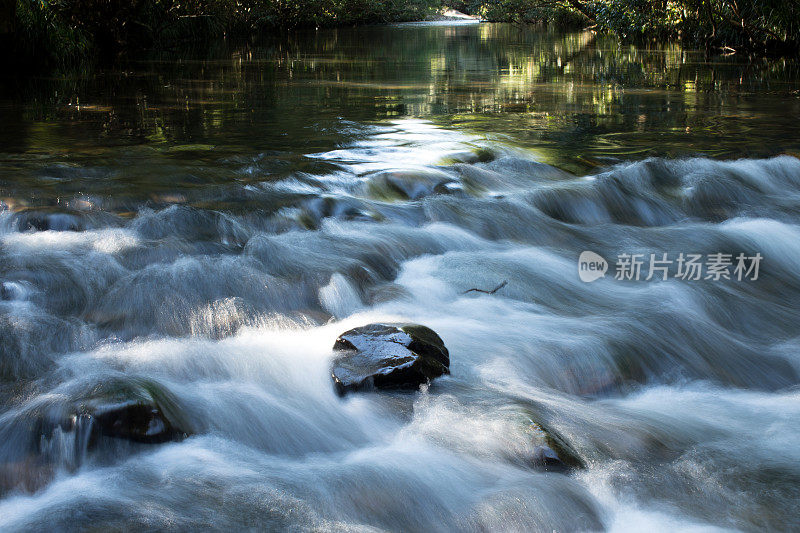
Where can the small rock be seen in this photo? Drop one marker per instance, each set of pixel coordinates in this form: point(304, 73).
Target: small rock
point(555, 454)
point(388, 356)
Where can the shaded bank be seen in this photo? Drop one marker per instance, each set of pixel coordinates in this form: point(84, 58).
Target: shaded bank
point(57, 33)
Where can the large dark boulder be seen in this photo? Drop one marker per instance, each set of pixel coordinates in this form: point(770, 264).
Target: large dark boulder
point(119, 417)
point(388, 356)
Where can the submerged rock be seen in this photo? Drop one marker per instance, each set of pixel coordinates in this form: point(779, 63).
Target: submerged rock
point(137, 422)
point(134, 410)
point(61, 438)
point(48, 221)
point(555, 454)
point(316, 209)
point(545, 458)
point(469, 157)
point(134, 421)
point(409, 184)
point(31, 220)
point(388, 356)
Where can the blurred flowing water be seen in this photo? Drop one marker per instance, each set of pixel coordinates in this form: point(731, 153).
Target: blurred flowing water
point(200, 230)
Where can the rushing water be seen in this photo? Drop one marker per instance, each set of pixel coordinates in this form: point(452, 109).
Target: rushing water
point(202, 230)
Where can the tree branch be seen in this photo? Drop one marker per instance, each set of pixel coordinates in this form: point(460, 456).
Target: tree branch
point(488, 292)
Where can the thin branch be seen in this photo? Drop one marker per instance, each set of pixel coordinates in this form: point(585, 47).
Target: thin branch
point(488, 292)
point(749, 29)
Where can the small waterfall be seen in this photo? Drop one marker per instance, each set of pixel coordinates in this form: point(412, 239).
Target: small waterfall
point(67, 446)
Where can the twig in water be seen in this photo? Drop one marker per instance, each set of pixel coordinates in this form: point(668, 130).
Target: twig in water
point(488, 292)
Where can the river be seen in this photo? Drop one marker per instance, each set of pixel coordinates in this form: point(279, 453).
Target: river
point(198, 227)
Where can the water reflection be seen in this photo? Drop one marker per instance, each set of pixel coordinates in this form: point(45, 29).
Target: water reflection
point(580, 99)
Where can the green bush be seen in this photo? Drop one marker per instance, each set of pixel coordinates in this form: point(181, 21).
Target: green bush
point(557, 13)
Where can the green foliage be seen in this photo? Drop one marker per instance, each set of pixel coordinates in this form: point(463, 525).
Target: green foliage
point(40, 33)
point(749, 25)
point(554, 12)
point(629, 18)
point(754, 24)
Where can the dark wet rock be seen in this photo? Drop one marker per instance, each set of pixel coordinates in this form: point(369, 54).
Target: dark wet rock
point(388, 356)
point(134, 421)
point(408, 184)
point(137, 422)
point(41, 442)
point(116, 417)
point(135, 410)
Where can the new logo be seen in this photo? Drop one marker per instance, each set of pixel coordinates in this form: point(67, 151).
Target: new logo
point(591, 266)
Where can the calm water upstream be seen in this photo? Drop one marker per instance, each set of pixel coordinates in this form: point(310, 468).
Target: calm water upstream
point(197, 231)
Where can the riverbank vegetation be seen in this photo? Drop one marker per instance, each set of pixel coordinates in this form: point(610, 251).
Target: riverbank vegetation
point(48, 32)
point(60, 31)
point(764, 27)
